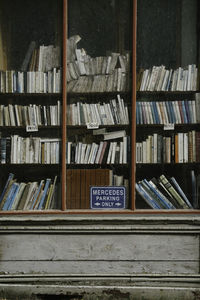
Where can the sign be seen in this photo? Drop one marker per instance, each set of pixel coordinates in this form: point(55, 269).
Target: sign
point(92, 125)
point(169, 126)
point(107, 197)
point(31, 128)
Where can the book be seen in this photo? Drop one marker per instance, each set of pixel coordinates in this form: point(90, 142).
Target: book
point(44, 195)
point(114, 134)
point(180, 191)
point(10, 177)
point(173, 192)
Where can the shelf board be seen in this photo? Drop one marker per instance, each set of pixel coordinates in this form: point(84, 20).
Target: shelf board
point(172, 164)
point(102, 94)
point(100, 126)
point(182, 125)
point(94, 166)
point(166, 92)
point(9, 95)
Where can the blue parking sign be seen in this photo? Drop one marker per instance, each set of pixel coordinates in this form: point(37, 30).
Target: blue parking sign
point(107, 197)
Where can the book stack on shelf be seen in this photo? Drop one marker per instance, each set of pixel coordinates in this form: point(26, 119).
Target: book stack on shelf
point(114, 112)
point(30, 115)
point(158, 78)
point(79, 182)
point(86, 74)
point(36, 195)
point(115, 152)
point(16, 149)
point(165, 112)
point(163, 193)
point(40, 72)
point(179, 147)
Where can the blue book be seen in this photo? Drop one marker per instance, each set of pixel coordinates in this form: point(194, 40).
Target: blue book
point(37, 194)
point(171, 107)
point(168, 112)
point(10, 196)
point(151, 202)
point(140, 113)
point(10, 177)
point(191, 110)
point(156, 112)
point(137, 114)
point(180, 191)
point(184, 112)
point(14, 195)
point(159, 198)
point(194, 191)
point(187, 111)
point(152, 112)
point(48, 181)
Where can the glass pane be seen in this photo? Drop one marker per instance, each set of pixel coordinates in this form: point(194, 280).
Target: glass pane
point(167, 105)
point(98, 103)
point(30, 104)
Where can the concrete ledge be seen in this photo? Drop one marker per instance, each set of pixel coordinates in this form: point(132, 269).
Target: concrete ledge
point(102, 288)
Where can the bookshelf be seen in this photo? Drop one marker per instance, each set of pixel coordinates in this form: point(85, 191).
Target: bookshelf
point(72, 109)
point(39, 138)
point(167, 113)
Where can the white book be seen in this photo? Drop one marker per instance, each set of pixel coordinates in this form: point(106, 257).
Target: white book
point(87, 153)
point(189, 77)
point(125, 139)
point(162, 74)
point(83, 150)
point(144, 152)
point(159, 112)
point(148, 144)
point(165, 80)
point(109, 153)
point(91, 153)
point(180, 147)
point(146, 75)
point(69, 147)
point(112, 161)
point(2, 115)
point(99, 152)
point(185, 147)
point(114, 134)
point(174, 80)
point(12, 115)
point(95, 150)
point(147, 80)
point(155, 148)
point(121, 148)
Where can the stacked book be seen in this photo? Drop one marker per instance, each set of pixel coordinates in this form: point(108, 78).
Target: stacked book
point(102, 113)
point(165, 112)
point(30, 115)
point(115, 152)
point(182, 147)
point(158, 78)
point(79, 181)
point(163, 193)
point(100, 74)
point(29, 150)
point(28, 195)
point(12, 81)
point(40, 72)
